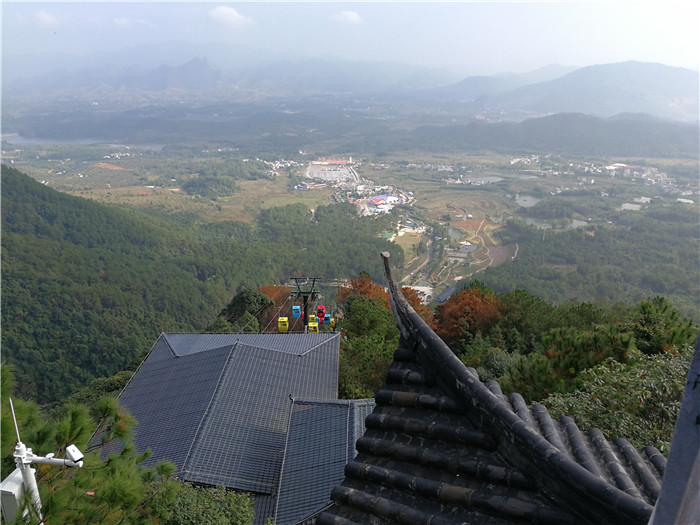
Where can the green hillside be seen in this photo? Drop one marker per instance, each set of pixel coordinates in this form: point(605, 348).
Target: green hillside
point(630, 258)
point(87, 288)
point(565, 133)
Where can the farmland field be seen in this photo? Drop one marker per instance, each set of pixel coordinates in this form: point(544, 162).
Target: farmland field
point(471, 196)
point(251, 197)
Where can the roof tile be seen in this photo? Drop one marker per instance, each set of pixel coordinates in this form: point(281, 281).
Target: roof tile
point(210, 404)
point(443, 447)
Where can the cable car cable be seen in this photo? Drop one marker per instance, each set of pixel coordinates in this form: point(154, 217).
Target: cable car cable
point(255, 316)
point(272, 318)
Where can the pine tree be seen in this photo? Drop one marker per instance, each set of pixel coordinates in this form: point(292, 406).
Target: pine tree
point(112, 487)
point(658, 327)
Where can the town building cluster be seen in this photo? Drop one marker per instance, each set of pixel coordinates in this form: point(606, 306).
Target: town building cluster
point(370, 199)
point(374, 200)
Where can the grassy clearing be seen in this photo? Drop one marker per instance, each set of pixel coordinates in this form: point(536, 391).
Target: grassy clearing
point(262, 194)
point(409, 242)
point(458, 203)
point(252, 196)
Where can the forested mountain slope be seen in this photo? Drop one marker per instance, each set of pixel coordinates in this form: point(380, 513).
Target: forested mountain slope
point(565, 133)
point(605, 90)
point(86, 288)
point(635, 256)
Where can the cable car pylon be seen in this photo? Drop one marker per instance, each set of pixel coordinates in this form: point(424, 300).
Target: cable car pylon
point(306, 295)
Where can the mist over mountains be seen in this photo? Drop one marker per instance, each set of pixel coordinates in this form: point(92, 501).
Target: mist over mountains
point(611, 89)
point(286, 104)
point(238, 74)
point(176, 72)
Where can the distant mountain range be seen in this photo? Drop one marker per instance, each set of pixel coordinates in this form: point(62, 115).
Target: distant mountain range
point(472, 88)
point(198, 78)
point(610, 89)
point(603, 90)
point(234, 75)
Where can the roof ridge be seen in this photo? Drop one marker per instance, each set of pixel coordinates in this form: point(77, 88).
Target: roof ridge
point(335, 402)
point(167, 343)
point(546, 460)
point(206, 410)
point(335, 336)
point(278, 488)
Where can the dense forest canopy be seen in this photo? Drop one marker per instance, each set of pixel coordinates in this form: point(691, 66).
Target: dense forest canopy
point(87, 288)
point(593, 316)
point(628, 258)
point(574, 133)
point(621, 369)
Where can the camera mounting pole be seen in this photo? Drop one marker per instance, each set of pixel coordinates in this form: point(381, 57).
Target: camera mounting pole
point(24, 457)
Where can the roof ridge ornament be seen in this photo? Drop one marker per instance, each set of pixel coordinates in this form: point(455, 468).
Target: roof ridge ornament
point(556, 473)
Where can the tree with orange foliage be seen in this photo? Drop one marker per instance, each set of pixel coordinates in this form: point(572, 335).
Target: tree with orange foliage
point(415, 301)
point(473, 310)
point(371, 335)
point(279, 295)
point(363, 285)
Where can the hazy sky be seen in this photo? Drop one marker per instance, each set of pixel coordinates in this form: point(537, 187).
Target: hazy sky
point(468, 37)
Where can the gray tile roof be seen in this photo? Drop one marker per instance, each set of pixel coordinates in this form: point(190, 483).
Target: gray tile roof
point(242, 447)
point(218, 405)
point(291, 343)
point(320, 442)
point(442, 447)
point(169, 397)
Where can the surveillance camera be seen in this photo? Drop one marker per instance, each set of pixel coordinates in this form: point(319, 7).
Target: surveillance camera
point(73, 453)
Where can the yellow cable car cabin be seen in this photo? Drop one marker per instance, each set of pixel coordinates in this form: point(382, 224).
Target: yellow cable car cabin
point(313, 327)
point(283, 324)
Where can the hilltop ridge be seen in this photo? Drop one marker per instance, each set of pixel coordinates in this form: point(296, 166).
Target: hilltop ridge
point(602, 90)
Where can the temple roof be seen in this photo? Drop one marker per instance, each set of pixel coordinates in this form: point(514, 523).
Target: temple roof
point(220, 407)
point(443, 447)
